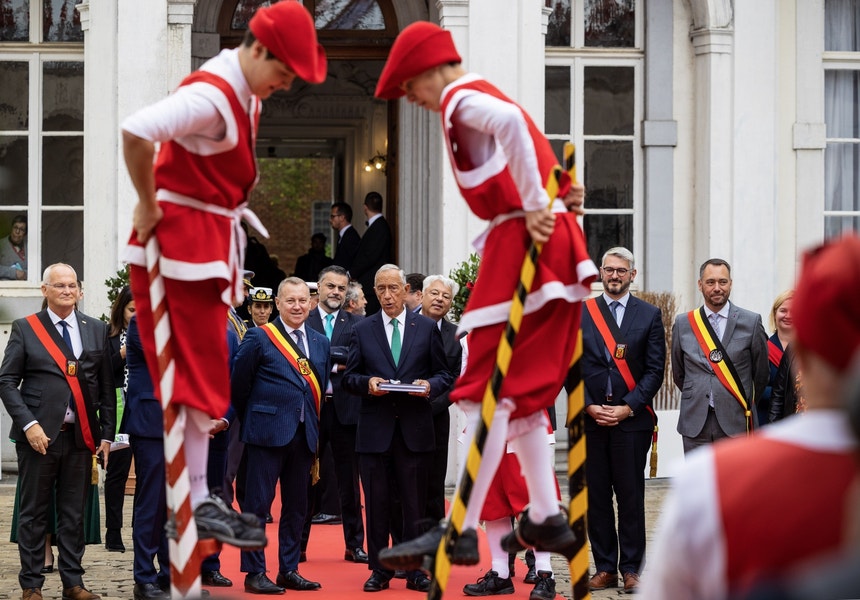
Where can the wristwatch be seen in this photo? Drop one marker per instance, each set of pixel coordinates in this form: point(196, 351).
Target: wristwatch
point(630, 416)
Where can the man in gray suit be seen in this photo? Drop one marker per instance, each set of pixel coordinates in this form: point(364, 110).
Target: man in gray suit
point(62, 414)
point(719, 362)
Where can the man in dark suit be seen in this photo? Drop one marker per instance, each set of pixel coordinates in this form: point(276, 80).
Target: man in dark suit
point(438, 294)
point(63, 413)
point(339, 412)
point(738, 352)
point(279, 376)
point(348, 238)
point(395, 439)
point(374, 249)
point(416, 291)
point(623, 360)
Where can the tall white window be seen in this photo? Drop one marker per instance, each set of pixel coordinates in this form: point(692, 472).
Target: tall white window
point(594, 63)
point(841, 106)
point(41, 137)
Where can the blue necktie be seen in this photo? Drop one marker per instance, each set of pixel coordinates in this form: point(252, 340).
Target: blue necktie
point(329, 326)
point(66, 337)
point(299, 342)
point(613, 308)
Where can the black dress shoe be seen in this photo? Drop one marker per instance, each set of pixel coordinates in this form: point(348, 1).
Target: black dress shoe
point(356, 555)
point(113, 541)
point(377, 582)
point(291, 580)
point(215, 579)
point(258, 583)
point(149, 591)
point(50, 569)
point(410, 555)
point(418, 581)
point(553, 535)
point(325, 519)
point(216, 520)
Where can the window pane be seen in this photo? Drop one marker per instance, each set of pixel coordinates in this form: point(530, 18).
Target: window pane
point(13, 170)
point(14, 20)
point(608, 99)
point(13, 246)
point(63, 239)
point(841, 99)
point(62, 171)
point(609, 174)
point(245, 9)
point(610, 23)
point(558, 29)
point(63, 96)
point(837, 226)
point(607, 231)
point(14, 95)
point(348, 14)
point(557, 98)
point(62, 23)
point(841, 18)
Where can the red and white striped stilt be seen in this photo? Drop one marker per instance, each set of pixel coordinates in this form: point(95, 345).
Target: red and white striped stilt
point(185, 552)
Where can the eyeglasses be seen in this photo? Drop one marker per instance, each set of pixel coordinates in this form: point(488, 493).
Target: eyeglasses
point(21, 228)
point(610, 271)
point(63, 286)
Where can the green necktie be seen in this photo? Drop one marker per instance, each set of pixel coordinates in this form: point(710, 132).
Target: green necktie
point(329, 328)
point(395, 341)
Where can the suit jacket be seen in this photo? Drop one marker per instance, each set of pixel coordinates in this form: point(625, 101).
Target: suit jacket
point(454, 360)
point(269, 394)
point(745, 342)
point(345, 404)
point(373, 252)
point(642, 331)
point(347, 248)
point(44, 392)
point(422, 356)
point(143, 414)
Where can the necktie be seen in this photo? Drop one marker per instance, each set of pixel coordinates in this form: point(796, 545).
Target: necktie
point(613, 306)
point(299, 342)
point(395, 341)
point(715, 323)
point(329, 326)
point(66, 337)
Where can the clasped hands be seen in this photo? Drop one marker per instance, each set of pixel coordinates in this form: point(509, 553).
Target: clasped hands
point(608, 415)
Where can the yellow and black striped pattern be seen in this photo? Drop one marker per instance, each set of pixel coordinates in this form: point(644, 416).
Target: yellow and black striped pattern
point(442, 563)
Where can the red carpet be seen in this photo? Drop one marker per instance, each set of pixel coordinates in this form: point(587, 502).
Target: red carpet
point(341, 579)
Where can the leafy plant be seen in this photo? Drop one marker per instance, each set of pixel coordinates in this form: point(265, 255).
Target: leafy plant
point(464, 274)
point(114, 285)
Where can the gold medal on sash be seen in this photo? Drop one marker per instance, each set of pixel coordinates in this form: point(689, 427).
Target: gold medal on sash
point(304, 367)
point(715, 356)
point(72, 368)
point(620, 351)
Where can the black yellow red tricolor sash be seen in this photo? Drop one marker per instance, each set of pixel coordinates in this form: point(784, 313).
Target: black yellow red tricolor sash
point(614, 341)
point(299, 363)
point(719, 359)
point(69, 368)
point(774, 353)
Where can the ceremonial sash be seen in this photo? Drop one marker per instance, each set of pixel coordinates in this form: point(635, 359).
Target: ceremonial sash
point(719, 359)
point(299, 363)
point(69, 368)
point(611, 334)
point(774, 353)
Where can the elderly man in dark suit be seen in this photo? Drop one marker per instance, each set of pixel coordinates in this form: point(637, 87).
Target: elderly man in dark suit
point(347, 237)
point(339, 413)
point(438, 295)
point(62, 414)
point(279, 376)
point(374, 249)
point(395, 441)
point(623, 360)
point(719, 362)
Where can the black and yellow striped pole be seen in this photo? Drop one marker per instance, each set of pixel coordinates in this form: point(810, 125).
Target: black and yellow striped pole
point(442, 562)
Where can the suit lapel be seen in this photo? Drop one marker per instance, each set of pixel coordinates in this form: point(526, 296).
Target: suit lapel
point(629, 316)
point(382, 338)
point(409, 335)
point(55, 335)
point(730, 326)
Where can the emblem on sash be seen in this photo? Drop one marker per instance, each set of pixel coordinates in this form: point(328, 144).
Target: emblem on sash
point(304, 367)
point(620, 351)
point(715, 356)
point(72, 368)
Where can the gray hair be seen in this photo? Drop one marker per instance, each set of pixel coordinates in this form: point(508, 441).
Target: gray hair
point(446, 281)
point(390, 267)
point(622, 253)
point(293, 281)
point(352, 292)
point(50, 268)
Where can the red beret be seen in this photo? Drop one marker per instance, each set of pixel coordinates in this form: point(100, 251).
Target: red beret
point(287, 31)
point(419, 47)
point(826, 308)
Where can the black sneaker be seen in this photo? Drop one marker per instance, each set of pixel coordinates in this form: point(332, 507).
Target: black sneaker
point(489, 585)
point(410, 555)
point(215, 520)
point(544, 588)
point(553, 535)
